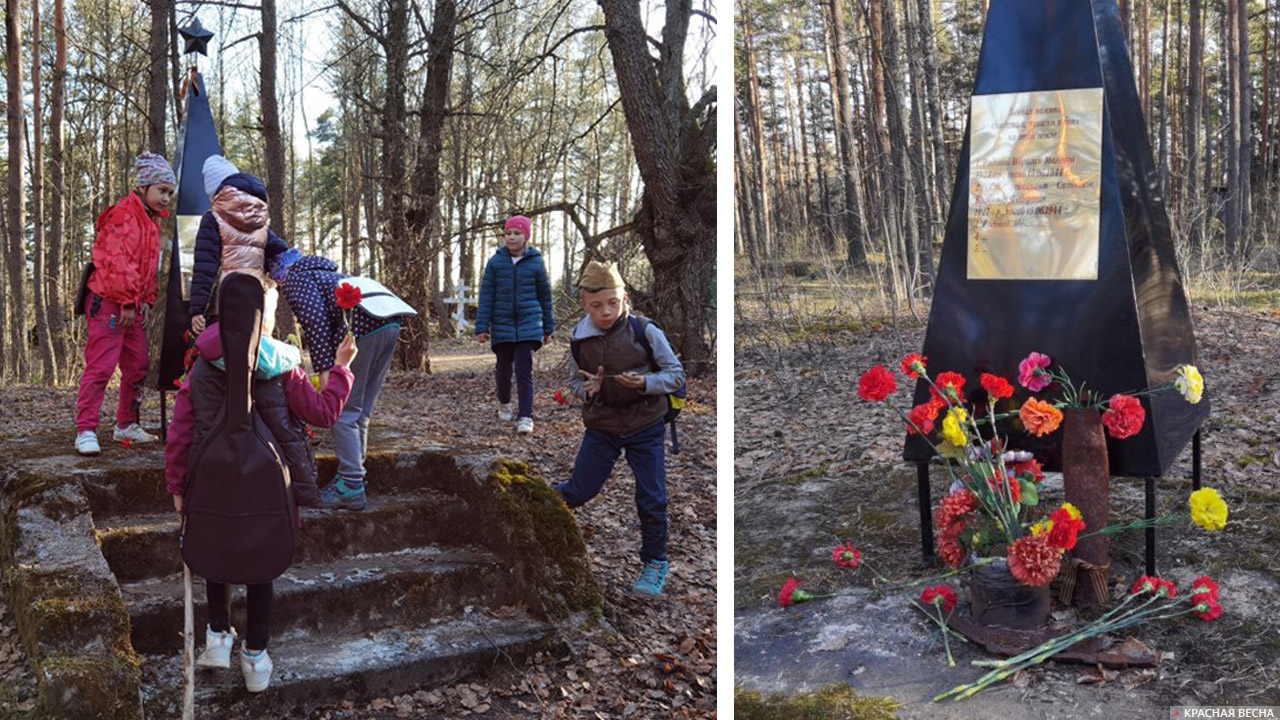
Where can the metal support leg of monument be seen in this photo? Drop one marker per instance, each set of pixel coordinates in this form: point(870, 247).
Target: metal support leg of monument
point(926, 513)
point(1151, 501)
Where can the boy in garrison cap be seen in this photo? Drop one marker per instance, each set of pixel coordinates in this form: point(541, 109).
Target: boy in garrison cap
point(622, 368)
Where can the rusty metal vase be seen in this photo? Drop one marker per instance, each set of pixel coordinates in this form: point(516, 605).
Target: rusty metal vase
point(1086, 480)
point(997, 598)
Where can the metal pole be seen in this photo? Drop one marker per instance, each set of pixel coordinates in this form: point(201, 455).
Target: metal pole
point(926, 513)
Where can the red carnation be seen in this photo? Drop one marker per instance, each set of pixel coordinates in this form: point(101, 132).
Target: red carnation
point(1205, 587)
point(996, 386)
point(950, 383)
point(913, 365)
point(791, 593)
point(1030, 467)
point(1124, 416)
point(560, 398)
point(921, 417)
point(847, 556)
point(348, 296)
point(939, 595)
point(1145, 584)
point(877, 384)
point(1015, 487)
point(1065, 528)
point(1032, 561)
point(1208, 610)
point(954, 507)
point(949, 547)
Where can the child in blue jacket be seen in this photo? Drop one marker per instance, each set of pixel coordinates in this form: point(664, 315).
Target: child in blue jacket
point(515, 316)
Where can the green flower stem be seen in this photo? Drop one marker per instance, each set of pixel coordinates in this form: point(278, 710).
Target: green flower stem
point(894, 587)
point(951, 661)
point(946, 630)
point(1161, 521)
point(1108, 622)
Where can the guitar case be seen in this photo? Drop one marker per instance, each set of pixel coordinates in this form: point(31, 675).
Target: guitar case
point(238, 524)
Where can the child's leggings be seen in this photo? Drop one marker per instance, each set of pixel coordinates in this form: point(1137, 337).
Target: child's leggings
point(519, 355)
point(111, 346)
point(258, 605)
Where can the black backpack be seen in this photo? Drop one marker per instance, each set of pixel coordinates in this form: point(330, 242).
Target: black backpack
point(238, 523)
point(675, 400)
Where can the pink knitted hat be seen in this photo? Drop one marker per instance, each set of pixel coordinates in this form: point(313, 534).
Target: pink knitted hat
point(521, 223)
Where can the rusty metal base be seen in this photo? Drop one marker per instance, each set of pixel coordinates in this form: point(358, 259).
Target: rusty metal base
point(1106, 650)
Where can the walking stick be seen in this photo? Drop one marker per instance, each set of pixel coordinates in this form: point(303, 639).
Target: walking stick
point(188, 648)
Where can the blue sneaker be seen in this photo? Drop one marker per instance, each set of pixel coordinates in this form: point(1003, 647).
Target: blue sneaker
point(653, 577)
point(340, 496)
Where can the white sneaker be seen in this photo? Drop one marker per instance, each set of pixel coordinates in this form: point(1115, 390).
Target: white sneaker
point(257, 671)
point(217, 649)
point(504, 412)
point(87, 443)
point(135, 433)
point(525, 426)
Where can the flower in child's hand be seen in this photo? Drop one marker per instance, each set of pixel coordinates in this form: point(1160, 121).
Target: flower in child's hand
point(561, 399)
point(941, 595)
point(1033, 561)
point(348, 296)
point(877, 384)
point(1124, 416)
point(847, 556)
point(1032, 373)
point(1189, 383)
point(1039, 417)
point(997, 387)
point(1208, 510)
point(791, 593)
point(315, 383)
point(913, 365)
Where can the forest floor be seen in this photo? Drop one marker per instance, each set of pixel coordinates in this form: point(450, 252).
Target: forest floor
point(813, 466)
point(646, 658)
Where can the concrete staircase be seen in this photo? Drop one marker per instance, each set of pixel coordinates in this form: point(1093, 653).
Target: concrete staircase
point(457, 565)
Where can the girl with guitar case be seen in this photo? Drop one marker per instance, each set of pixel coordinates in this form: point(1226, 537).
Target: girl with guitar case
point(233, 450)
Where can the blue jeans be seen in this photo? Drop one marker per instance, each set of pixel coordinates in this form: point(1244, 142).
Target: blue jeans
point(351, 432)
point(646, 454)
point(519, 354)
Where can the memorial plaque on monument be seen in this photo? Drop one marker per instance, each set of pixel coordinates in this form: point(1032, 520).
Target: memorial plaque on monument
point(1057, 239)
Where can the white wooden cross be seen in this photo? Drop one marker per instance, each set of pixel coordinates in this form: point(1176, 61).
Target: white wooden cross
point(460, 301)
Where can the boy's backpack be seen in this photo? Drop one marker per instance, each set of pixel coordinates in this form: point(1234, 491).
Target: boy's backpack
point(675, 400)
point(238, 516)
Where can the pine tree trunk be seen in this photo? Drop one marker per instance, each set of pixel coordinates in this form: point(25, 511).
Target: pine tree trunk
point(854, 215)
point(15, 312)
point(55, 262)
point(40, 289)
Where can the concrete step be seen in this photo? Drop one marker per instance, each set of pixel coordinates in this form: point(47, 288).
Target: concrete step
point(313, 668)
point(142, 546)
point(134, 482)
point(343, 597)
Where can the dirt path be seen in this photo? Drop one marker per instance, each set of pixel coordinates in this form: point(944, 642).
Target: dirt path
point(813, 464)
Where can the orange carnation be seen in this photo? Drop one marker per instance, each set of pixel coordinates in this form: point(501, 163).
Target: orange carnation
point(1039, 417)
point(1032, 561)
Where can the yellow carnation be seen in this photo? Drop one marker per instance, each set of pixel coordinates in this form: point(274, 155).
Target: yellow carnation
point(1041, 528)
point(1208, 510)
point(1189, 383)
point(1072, 511)
point(315, 383)
point(953, 427)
